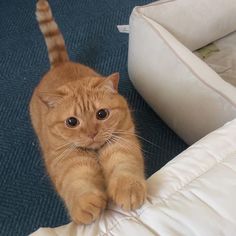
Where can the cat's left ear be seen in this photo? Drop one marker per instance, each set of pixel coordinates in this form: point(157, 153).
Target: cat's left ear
point(52, 98)
point(111, 82)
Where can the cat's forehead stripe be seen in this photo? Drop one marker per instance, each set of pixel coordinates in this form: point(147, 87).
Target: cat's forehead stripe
point(85, 103)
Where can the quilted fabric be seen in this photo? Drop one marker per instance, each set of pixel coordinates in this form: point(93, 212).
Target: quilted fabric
point(193, 195)
point(27, 199)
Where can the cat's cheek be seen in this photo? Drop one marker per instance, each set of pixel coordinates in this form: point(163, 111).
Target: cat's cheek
point(61, 132)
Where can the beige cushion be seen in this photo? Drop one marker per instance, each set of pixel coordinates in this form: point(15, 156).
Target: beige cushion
point(195, 23)
point(185, 92)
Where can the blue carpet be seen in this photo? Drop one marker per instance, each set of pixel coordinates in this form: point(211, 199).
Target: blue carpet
point(27, 198)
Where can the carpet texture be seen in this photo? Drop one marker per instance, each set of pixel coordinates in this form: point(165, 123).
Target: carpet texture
point(27, 198)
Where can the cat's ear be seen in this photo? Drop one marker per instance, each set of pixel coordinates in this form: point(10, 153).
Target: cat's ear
point(51, 99)
point(111, 82)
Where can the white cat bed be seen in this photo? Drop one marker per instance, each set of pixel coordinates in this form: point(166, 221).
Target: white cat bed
point(194, 194)
point(165, 68)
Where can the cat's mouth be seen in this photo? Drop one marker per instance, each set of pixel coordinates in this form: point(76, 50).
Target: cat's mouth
point(95, 145)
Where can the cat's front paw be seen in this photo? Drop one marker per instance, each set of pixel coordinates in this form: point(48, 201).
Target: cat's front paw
point(88, 206)
point(128, 192)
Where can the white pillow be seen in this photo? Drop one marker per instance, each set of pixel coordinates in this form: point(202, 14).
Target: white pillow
point(195, 23)
point(186, 93)
point(194, 194)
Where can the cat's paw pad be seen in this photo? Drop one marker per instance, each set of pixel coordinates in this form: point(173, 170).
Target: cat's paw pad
point(88, 206)
point(128, 192)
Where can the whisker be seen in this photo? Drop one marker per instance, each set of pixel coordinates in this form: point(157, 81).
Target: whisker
point(110, 134)
point(121, 144)
point(132, 144)
point(50, 93)
point(64, 154)
point(63, 145)
point(130, 133)
point(45, 176)
point(129, 144)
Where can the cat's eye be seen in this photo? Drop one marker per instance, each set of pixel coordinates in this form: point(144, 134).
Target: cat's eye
point(72, 122)
point(102, 114)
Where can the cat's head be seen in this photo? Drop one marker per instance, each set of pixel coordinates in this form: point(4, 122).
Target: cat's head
point(86, 112)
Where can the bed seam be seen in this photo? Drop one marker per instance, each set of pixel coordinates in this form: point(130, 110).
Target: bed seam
point(183, 61)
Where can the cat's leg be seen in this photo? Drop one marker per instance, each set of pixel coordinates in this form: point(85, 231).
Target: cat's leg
point(79, 181)
point(123, 169)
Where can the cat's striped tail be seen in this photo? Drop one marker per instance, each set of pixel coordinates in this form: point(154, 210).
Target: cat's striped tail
point(54, 40)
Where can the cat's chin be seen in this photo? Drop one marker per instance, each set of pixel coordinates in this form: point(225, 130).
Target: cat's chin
point(95, 146)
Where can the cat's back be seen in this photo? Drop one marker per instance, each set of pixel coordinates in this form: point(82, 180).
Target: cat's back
point(63, 74)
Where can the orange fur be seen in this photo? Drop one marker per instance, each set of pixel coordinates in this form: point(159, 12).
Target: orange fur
point(98, 158)
point(53, 38)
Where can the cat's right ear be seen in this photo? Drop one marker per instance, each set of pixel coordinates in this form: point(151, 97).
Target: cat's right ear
point(51, 99)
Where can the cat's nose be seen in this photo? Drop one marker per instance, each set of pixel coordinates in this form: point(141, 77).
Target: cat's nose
point(93, 134)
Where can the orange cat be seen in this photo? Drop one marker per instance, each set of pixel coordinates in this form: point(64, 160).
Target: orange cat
point(86, 132)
